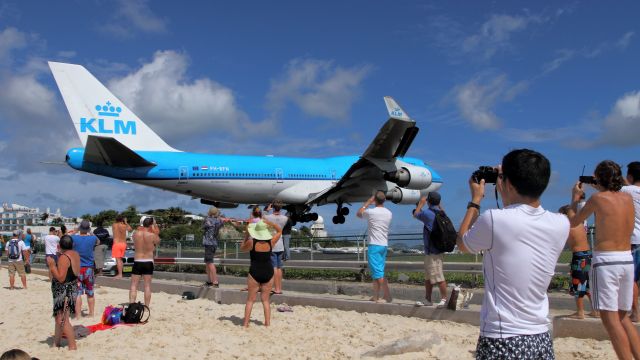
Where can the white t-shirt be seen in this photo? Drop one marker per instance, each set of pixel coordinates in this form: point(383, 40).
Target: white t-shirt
point(521, 246)
point(21, 248)
point(634, 191)
point(281, 221)
point(379, 219)
point(51, 244)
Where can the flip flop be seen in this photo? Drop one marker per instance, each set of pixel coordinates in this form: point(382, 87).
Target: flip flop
point(275, 293)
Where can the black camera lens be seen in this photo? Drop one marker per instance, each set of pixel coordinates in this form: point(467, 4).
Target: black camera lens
point(487, 173)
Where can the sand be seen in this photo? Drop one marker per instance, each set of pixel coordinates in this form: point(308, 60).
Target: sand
point(199, 329)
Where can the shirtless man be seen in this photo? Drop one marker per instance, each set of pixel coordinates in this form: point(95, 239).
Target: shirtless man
point(612, 264)
point(119, 230)
point(145, 240)
point(580, 266)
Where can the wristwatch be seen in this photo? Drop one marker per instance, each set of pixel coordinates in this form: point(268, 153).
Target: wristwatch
point(471, 204)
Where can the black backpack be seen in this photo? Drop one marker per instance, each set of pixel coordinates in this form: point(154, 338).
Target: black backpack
point(14, 250)
point(134, 313)
point(443, 234)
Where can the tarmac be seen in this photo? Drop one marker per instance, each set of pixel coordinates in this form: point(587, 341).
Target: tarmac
point(351, 296)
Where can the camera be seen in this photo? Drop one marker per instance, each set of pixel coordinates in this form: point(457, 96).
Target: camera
point(588, 180)
point(488, 173)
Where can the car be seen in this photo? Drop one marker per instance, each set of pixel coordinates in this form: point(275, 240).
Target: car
point(110, 263)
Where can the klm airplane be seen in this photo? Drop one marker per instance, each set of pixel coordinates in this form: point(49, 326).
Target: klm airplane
point(117, 144)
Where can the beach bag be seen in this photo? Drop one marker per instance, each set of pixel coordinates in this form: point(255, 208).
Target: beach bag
point(134, 313)
point(443, 234)
point(14, 250)
point(112, 315)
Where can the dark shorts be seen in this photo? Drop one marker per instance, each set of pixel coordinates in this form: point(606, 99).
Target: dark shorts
point(538, 347)
point(53, 256)
point(209, 251)
point(635, 252)
point(276, 259)
point(580, 268)
point(142, 268)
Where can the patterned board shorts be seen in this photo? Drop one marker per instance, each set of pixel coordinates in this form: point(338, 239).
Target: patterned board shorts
point(86, 280)
point(580, 267)
point(525, 347)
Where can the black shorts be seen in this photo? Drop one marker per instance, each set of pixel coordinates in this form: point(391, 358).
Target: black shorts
point(209, 251)
point(142, 268)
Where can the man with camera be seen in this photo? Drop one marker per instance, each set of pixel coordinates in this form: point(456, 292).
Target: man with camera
point(145, 239)
point(612, 263)
point(633, 189)
point(433, 258)
point(379, 220)
point(521, 245)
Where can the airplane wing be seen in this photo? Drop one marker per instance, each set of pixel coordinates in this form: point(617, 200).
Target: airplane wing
point(393, 140)
point(109, 151)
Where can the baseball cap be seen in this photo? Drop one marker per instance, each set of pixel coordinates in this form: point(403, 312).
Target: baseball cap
point(85, 226)
point(17, 232)
point(434, 198)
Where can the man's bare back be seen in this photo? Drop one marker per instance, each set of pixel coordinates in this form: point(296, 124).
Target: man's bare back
point(145, 241)
point(119, 231)
point(578, 239)
point(615, 218)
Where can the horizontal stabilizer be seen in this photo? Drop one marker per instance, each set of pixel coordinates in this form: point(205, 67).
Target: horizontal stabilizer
point(109, 151)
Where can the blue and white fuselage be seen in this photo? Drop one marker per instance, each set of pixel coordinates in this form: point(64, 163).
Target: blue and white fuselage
point(241, 179)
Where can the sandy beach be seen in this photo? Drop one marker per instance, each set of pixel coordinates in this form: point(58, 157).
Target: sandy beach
point(199, 329)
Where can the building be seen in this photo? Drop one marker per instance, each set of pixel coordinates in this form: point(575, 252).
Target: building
point(317, 229)
point(15, 216)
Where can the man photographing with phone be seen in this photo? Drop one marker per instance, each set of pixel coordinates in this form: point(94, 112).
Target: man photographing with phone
point(521, 245)
point(612, 262)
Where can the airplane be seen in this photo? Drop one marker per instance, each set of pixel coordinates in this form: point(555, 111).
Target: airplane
point(117, 144)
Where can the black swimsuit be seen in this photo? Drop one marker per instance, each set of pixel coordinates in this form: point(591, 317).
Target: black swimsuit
point(64, 294)
point(261, 269)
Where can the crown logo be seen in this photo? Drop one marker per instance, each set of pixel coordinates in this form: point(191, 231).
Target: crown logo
point(108, 110)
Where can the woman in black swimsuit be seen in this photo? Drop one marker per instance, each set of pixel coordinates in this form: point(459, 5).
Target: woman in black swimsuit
point(63, 287)
point(259, 241)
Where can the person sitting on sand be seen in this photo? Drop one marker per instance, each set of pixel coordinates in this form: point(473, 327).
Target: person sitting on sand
point(259, 242)
point(64, 287)
point(612, 263)
point(580, 267)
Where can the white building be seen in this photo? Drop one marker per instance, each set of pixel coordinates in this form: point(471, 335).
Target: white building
point(15, 216)
point(317, 229)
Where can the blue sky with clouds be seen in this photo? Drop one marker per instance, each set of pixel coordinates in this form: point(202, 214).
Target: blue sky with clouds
point(307, 79)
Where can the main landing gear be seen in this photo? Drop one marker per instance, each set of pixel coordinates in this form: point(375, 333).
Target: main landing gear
point(341, 213)
point(303, 218)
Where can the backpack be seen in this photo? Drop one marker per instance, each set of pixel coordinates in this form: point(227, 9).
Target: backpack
point(134, 313)
point(14, 250)
point(443, 234)
point(112, 315)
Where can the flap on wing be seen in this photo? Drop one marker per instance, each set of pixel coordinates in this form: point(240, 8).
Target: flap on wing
point(111, 152)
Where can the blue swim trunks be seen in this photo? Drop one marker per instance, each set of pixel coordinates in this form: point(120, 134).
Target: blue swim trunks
point(376, 256)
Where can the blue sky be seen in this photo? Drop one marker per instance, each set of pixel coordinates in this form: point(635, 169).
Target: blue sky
point(307, 79)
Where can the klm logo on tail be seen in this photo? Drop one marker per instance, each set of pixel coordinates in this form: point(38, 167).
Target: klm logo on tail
point(105, 125)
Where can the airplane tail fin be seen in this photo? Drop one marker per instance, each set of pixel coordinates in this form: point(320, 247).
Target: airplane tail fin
point(395, 111)
point(94, 110)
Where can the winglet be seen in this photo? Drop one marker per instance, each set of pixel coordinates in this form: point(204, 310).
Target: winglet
point(395, 111)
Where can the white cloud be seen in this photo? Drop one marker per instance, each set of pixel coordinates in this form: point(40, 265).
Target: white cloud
point(318, 88)
point(477, 98)
point(495, 34)
point(621, 127)
point(178, 108)
point(563, 56)
point(11, 39)
point(135, 15)
point(625, 40)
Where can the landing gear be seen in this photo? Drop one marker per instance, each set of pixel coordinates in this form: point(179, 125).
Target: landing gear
point(341, 212)
point(295, 218)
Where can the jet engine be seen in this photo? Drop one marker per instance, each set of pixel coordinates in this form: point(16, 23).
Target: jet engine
point(399, 195)
point(410, 177)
